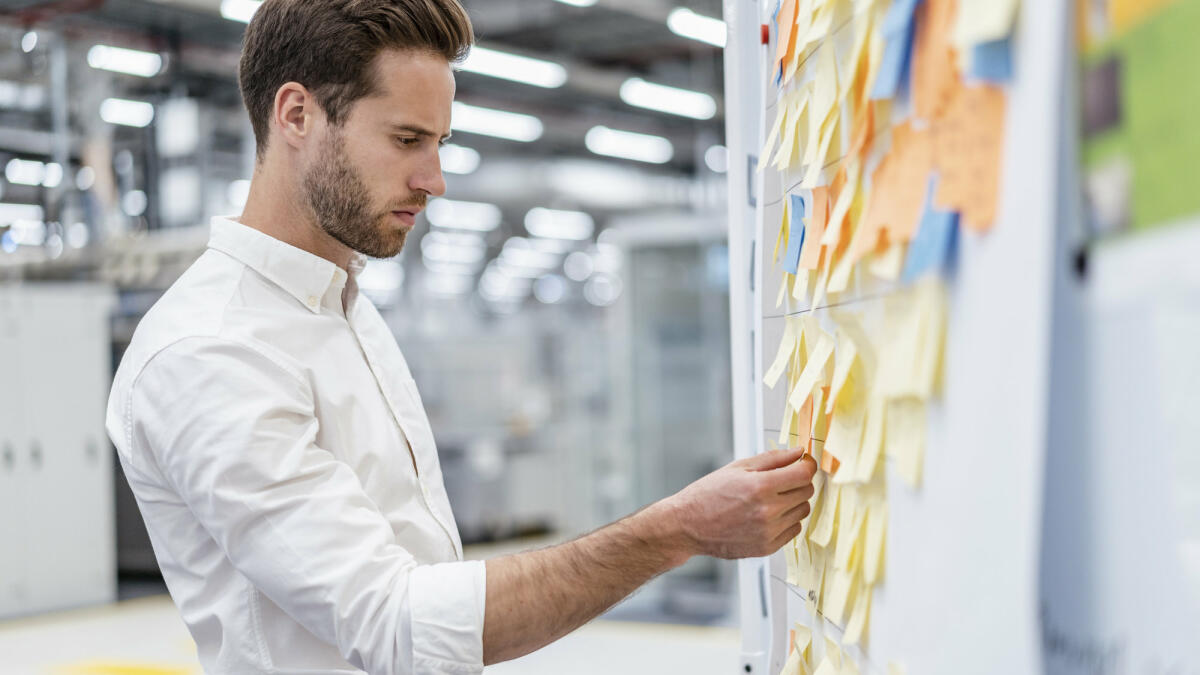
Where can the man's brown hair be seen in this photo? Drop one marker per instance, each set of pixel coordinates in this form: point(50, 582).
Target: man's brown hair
point(329, 46)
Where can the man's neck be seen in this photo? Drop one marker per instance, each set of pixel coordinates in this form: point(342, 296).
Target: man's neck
point(276, 208)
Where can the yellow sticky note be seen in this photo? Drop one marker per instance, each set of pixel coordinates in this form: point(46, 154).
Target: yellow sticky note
point(803, 281)
point(814, 370)
point(849, 548)
point(888, 265)
point(845, 435)
point(781, 239)
point(896, 669)
point(856, 627)
point(781, 112)
point(820, 156)
point(787, 346)
point(826, 668)
point(839, 596)
point(983, 21)
point(822, 531)
point(931, 311)
point(783, 286)
point(833, 233)
point(872, 440)
point(792, 665)
point(803, 641)
point(875, 543)
point(906, 437)
point(847, 354)
point(833, 652)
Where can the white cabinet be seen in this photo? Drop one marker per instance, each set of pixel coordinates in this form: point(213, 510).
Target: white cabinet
point(57, 542)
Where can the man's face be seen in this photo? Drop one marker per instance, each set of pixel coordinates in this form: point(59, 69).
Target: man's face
point(371, 175)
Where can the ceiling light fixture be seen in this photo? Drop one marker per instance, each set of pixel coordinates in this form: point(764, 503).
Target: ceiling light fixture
point(493, 63)
point(683, 102)
point(498, 123)
point(629, 145)
point(126, 112)
point(458, 215)
point(127, 61)
point(554, 224)
point(459, 159)
point(686, 23)
point(239, 10)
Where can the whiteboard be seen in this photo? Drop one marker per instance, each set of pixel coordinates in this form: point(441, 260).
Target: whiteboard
point(1121, 547)
point(961, 589)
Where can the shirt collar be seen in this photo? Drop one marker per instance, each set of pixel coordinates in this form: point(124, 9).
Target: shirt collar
point(304, 276)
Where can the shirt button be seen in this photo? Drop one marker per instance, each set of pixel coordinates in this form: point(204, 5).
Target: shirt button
point(313, 300)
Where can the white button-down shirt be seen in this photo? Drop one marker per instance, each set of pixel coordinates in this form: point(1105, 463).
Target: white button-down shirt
point(285, 468)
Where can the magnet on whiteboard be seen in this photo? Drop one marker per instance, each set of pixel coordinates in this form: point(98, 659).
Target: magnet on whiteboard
point(766, 34)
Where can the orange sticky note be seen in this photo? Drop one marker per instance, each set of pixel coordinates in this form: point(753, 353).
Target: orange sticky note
point(785, 34)
point(968, 153)
point(810, 253)
point(897, 192)
point(934, 60)
point(804, 422)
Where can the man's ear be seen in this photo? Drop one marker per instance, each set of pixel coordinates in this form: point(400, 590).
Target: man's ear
point(295, 114)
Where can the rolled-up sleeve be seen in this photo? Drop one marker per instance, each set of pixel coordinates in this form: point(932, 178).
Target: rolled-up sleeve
point(234, 430)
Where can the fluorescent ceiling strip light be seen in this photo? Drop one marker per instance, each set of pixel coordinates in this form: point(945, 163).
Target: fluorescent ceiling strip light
point(498, 123)
point(121, 60)
point(629, 145)
point(458, 215)
point(554, 224)
point(686, 23)
point(458, 159)
point(239, 10)
point(125, 112)
point(578, 3)
point(683, 102)
point(539, 73)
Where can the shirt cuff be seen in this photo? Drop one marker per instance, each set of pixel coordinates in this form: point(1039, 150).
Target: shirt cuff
point(446, 602)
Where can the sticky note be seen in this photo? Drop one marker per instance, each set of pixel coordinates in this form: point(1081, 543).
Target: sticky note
point(874, 542)
point(894, 668)
point(814, 370)
point(849, 550)
point(791, 261)
point(826, 667)
point(792, 665)
point(932, 249)
point(787, 345)
point(832, 235)
point(872, 442)
point(935, 67)
point(888, 263)
point(847, 354)
point(839, 596)
point(785, 33)
point(992, 61)
point(833, 652)
point(848, 666)
point(897, 33)
point(810, 253)
point(856, 626)
point(802, 641)
point(906, 437)
point(821, 532)
point(984, 21)
point(968, 151)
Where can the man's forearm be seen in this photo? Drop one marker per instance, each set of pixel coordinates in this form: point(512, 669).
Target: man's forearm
point(536, 597)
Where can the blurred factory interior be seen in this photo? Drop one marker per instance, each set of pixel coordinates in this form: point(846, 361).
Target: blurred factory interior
point(564, 309)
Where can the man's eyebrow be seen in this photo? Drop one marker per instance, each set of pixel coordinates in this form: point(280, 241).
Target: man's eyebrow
point(420, 131)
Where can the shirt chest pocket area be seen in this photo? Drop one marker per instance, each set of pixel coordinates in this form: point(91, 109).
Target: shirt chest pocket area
point(409, 412)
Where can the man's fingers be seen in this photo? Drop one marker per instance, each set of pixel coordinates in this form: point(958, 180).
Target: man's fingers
point(794, 475)
point(797, 495)
point(788, 535)
point(772, 459)
point(798, 512)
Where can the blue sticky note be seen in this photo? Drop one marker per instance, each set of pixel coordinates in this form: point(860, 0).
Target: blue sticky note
point(778, 75)
point(791, 261)
point(897, 50)
point(932, 249)
point(899, 16)
point(992, 61)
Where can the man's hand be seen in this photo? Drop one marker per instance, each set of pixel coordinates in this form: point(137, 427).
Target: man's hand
point(748, 508)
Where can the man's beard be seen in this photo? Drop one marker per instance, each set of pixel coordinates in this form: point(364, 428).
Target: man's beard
point(341, 204)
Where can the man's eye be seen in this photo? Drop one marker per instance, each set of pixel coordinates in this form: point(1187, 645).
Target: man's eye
point(408, 141)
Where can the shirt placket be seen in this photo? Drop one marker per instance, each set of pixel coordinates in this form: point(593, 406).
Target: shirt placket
point(392, 398)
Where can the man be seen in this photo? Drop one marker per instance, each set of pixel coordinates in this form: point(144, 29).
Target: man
point(269, 425)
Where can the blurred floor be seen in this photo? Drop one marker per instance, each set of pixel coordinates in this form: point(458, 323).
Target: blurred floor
point(145, 636)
